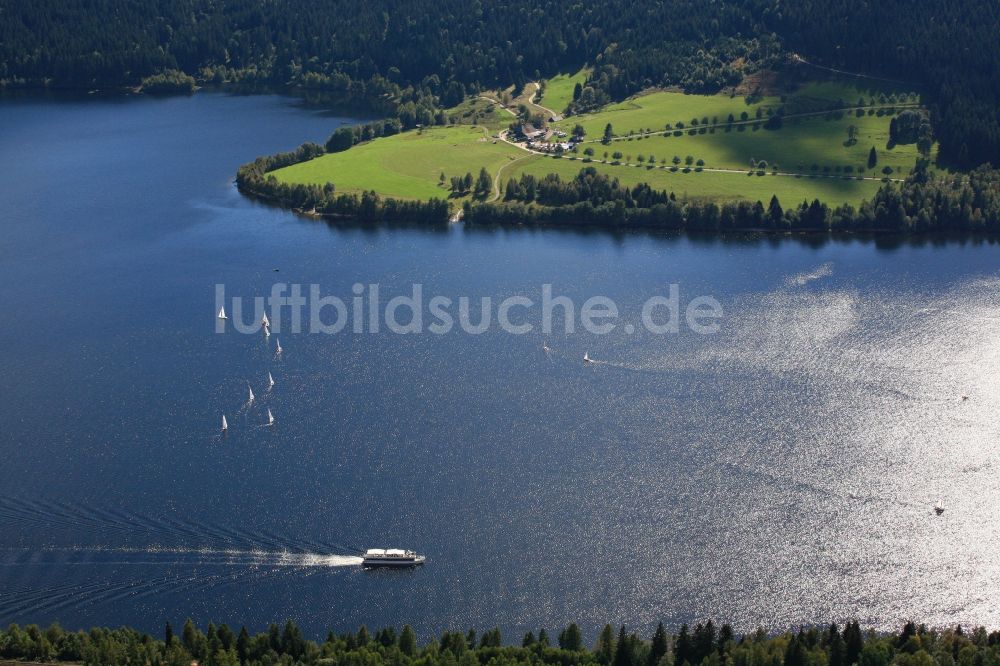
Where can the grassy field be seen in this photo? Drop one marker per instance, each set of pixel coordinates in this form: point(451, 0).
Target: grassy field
point(796, 147)
point(478, 111)
point(653, 111)
point(713, 185)
point(406, 166)
point(559, 90)
point(816, 96)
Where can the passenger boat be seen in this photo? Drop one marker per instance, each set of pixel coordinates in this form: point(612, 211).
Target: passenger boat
point(392, 557)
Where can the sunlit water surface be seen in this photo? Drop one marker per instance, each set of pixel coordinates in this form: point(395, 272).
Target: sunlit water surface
point(781, 471)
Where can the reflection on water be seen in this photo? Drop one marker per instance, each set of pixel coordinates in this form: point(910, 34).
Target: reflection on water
point(782, 471)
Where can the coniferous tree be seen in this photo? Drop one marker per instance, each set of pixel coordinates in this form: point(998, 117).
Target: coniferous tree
point(605, 648)
point(659, 646)
point(795, 653)
point(837, 648)
point(774, 212)
point(243, 645)
point(189, 636)
point(570, 638)
point(725, 635)
point(484, 184)
point(623, 651)
point(408, 641)
point(226, 637)
point(854, 641)
point(683, 649)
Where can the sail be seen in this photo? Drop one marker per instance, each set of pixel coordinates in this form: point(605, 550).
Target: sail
point(222, 313)
point(251, 392)
point(225, 426)
point(279, 344)
point(270, 417)
point(265, 321)
point(270, 380)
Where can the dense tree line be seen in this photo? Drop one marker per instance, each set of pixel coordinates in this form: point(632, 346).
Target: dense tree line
point(409, 59)
point(703, 645)
point(589, 185)
point(926, 202)
point(400, 49)
point(346, 44)
point(949, 47)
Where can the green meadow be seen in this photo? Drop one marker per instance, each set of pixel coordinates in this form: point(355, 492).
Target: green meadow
point(713, 185)
point(408, 165)
point(559, 90)
point(479, 111)
point(655, 110)
point(798, 146)
point(818, 148)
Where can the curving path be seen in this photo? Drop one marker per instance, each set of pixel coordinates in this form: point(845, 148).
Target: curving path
point(533, 101)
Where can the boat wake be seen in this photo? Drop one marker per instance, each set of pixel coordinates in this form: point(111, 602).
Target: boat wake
point(802, 279)
point(118, 530)
point(95, 576)
point(165, 565)
point(98, 555)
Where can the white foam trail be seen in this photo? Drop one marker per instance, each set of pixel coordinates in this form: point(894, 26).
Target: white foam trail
point(226, 556)
point(315, 560)
point(803, 279)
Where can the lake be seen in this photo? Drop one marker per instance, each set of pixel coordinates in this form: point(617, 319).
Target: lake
point(782, 470)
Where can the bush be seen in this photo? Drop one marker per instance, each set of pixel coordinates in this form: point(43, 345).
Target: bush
point(169, 81)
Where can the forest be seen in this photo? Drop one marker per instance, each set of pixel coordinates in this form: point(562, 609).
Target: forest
point(702, 645)
point(925, 202)
point(409, 59)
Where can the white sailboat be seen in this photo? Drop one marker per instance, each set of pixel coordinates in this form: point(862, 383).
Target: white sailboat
point(225, 426)
point(586, 358)
point(270, 417)
point(249, 388)
point(270, 381)
point(278, 350)
point(222, 313)
point(264, 321)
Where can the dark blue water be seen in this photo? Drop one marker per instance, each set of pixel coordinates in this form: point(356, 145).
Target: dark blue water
point(781, 471)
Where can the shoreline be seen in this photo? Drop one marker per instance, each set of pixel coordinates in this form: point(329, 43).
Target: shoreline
point(821, 236)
